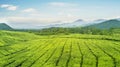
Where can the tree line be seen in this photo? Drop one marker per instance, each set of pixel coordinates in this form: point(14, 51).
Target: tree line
point(76, 30)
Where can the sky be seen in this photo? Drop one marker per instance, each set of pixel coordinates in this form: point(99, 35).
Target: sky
point(50, 11)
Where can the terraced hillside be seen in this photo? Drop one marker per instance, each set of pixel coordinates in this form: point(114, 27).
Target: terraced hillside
point(19, 49)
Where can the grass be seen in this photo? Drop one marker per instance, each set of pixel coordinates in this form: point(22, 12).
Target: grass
point(22, 49)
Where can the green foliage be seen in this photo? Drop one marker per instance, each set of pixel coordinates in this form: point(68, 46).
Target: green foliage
point(9, 38)
point(77, 30)
point(73, 50)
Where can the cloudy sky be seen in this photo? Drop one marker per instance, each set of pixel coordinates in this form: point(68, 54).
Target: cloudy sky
point(50, 11)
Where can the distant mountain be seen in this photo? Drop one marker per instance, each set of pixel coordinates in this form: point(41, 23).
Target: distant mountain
point(114, 23)
point(76, 23)
point(4, 26)
point(100, 23)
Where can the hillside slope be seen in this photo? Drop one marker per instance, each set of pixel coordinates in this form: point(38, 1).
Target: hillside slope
point(20, 49)
point(4, 26)
point(107, 24)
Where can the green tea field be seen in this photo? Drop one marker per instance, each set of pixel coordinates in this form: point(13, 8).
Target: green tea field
point(20, 49)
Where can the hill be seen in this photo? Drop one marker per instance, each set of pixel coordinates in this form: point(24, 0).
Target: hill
point(4, 26)
point(107, 24)
point(21, 49)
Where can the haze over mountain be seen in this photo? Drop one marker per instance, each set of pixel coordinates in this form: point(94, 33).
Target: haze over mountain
point(100, 23)
point(76, 23)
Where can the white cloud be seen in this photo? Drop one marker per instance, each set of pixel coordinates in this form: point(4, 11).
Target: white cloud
point(12, 8)
point(61, 4)
point(27, 22)
point(29, 10)
point(18, 19)
point(9, 7)
point(36, 20)
point(3, 20)
point(5, 6)
point(57, 4)
point(33, 22)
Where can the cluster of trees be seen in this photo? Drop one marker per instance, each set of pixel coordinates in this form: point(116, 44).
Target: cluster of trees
point(78, 30)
